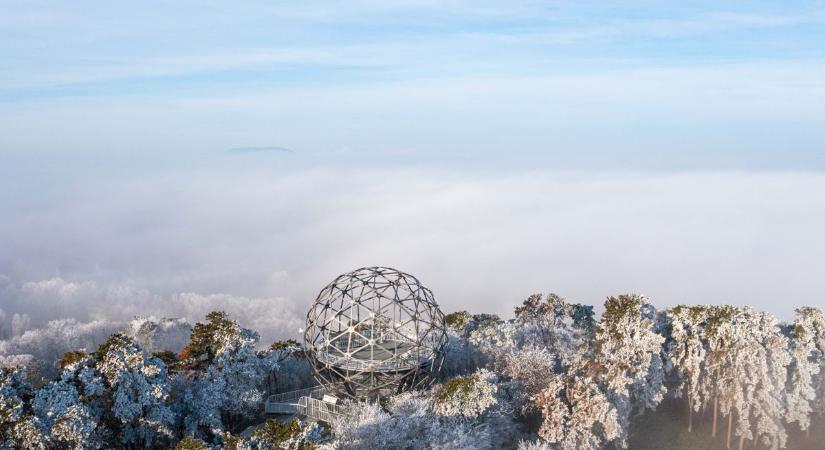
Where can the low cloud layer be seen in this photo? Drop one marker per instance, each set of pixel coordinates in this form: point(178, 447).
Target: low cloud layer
point(35, 302)
point(261, 243)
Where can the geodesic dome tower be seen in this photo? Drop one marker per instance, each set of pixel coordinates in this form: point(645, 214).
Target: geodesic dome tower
point(375, 331)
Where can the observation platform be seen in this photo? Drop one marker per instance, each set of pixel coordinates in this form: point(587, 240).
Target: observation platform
point(386, 356)
point(377, 330)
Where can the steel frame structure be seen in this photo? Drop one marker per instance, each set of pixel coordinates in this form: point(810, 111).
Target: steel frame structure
point(373, 332)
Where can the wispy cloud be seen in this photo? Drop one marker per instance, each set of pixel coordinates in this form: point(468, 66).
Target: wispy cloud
point(271, 149)
point(732, 116)
point(412, 41)
point(699, 25)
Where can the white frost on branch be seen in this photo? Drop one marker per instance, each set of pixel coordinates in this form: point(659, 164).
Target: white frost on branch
point(629, 353)
point(467, 396)
point(576, 414)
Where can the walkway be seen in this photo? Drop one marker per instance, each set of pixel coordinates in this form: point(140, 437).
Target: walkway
point(311, 402)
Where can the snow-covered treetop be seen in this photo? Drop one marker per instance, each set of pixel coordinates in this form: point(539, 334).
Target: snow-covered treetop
point(468, 396)
point(14, 393)
point(458, 320)
point(626, 342)
point(159, 335)
point(219, 335)
point(576, 414)
point(552, 309)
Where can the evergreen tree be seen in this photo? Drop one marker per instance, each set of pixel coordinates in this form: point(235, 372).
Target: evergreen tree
point(576, 414)
point(806, 362)
point(813, 322)
point(468, 396)
point(223, 376)
point(760, 360)
point(629, 353)
point(718, 384)
point(16, 421)
point(137, 388)
point(564, 329)
point(687, 351)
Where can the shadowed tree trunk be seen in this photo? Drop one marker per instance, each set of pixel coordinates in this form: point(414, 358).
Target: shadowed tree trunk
point(690, 415)
point(715, 414)
point(730, 425)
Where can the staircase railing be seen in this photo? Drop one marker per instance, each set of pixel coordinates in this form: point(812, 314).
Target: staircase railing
point(319, 409)
point(281, 408)
point(293, 396)
point(303, 401)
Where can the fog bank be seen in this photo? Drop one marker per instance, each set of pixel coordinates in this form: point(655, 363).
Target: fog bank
point(261, 242)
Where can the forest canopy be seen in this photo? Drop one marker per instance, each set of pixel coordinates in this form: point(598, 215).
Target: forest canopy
point(554, 376)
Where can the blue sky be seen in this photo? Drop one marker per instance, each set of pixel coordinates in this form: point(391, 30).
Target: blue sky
point(576, 85)
point(494, 149)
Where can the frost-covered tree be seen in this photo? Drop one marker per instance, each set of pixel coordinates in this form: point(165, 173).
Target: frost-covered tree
point(535, 445)
point(491, 330)
point(29, 433)
point(576, 414)
point(717, 384)
point(48, 344)
point(14, 393)
point(468, 396)
point(687, 352)
point(552, 369)
point(470, 412)
point(292, 370)
point(15, 410)
point(770, 410)
point(532, 369)
point(285, 349)
point(198, 405)
point(760, 360)
point(476, 341)
point(275, 435)
point(564, 329)
point(464, 356)
point(139, 390)
point(190, 443)
point(629, 354)
point(813, 322)
point(457, 321)
point(223, 376)
point(491, 337)
point(410, 419)
point(116, 396)
point(64, 419)
point(15, 361)
point(20, 323)
point(159, 335)
point(806, 362)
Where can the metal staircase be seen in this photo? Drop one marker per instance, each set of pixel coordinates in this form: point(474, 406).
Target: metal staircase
point(312, 402)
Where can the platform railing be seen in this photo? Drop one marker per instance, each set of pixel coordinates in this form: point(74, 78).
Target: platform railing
point(398, 363)
point(319, 409)
point(293, 396)
point(281, 408)
point(306, 402)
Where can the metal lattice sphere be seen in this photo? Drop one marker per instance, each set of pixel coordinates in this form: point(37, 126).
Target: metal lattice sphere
point(375, 331)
